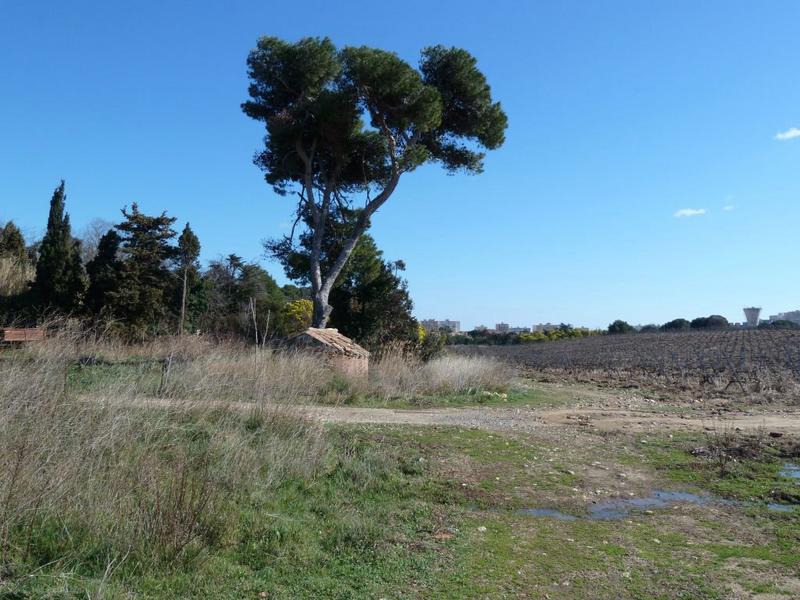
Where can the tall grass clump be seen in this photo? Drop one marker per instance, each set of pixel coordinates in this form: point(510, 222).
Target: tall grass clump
point(460, 374)
point(240, 373)
point(96, 487)
point(398, 375)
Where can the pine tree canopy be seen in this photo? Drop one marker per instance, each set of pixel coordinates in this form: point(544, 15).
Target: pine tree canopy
point(348, 123)
point(140, 299)
point(362, 115)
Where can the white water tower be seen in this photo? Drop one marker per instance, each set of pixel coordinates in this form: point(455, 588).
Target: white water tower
point(751, 314)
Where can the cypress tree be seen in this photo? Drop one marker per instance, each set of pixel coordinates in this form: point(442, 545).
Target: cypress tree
point(59, 279)
point(188, 271)
point(75, 279)
point(104, 272)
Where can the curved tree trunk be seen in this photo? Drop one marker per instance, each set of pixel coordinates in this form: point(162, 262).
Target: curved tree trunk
point(322, 283)
point(322, 310)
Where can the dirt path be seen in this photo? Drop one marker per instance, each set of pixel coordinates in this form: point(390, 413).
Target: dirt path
point(525, 419)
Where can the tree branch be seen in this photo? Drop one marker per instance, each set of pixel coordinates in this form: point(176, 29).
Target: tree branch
point(360, 227)
point(316, 217)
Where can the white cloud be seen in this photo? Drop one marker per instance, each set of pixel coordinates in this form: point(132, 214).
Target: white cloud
point(788, 134)
point(690, 212)
point(729, 208)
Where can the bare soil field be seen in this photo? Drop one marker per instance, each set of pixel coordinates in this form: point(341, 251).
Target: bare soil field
point(763, 365)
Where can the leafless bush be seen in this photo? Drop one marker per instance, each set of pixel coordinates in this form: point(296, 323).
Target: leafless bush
point(15, 275)
point(726, 445)
point(721, 448)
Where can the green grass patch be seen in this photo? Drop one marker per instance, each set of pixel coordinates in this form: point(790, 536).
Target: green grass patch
point(431, 512)
point(364, 526)
point(519, 394)
point(690, 458)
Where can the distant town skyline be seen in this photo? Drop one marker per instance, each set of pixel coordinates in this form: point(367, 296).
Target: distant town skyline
point(502, 326)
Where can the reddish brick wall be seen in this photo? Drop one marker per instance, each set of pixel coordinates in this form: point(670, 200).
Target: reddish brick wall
point(15, 334)
point(349, 365)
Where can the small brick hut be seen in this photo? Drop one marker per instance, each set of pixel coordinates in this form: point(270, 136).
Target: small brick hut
point(18, 336)
point(340, 352)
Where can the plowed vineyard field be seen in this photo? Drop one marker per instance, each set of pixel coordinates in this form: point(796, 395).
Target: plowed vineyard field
point(742, 361)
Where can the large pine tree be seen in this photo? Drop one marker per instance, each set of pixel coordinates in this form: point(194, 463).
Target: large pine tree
point(59, 279)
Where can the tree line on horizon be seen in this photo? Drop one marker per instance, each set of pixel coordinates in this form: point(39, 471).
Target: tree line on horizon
point(710, 323)
point(140, 278)
point(480, 337)
point(565, 331)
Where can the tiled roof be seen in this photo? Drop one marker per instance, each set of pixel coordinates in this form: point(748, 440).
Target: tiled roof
point(333, 339)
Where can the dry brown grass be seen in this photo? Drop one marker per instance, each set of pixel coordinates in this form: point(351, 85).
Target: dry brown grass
point(397, 375)
point(84, 463)
point(154, 484)
point(194, 369)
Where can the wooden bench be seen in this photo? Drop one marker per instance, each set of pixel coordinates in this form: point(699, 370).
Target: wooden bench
point(20, 335)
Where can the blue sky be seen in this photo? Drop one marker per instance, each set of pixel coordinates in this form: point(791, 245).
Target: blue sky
point(620, 113)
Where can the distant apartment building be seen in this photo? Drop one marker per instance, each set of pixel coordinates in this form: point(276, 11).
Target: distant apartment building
point(506, 328)
point(445, 324)
point(544, 327)
point(430, 324)
point(792, 315)
point(452, 326)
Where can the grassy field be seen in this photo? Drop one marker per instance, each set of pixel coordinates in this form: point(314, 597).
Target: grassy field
point(437, 513)
point(104, 500)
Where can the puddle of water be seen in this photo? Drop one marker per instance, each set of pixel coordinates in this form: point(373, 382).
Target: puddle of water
point(784, 508)
point(548, 512)
point(790, 470)
point(623, 507)
point(618, 509)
